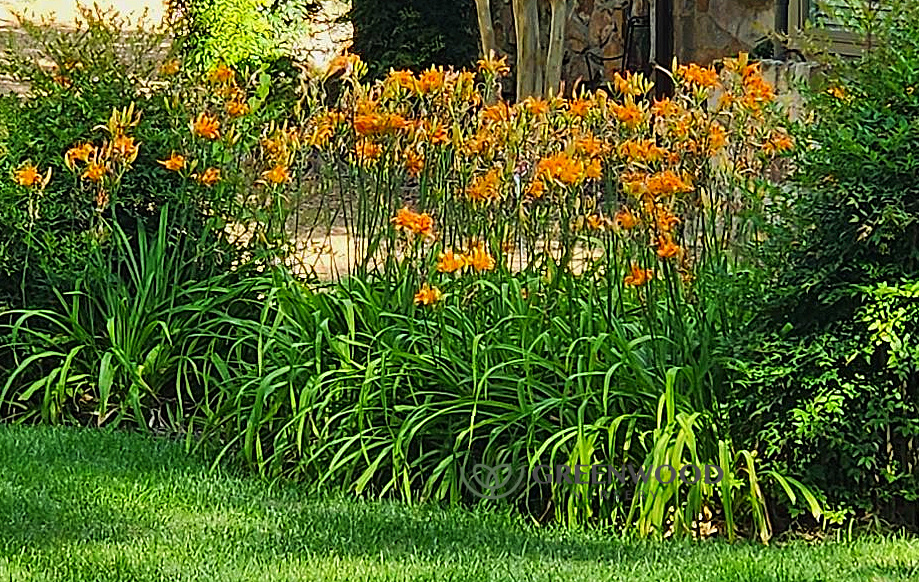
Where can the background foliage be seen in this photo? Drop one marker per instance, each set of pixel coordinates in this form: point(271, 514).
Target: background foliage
point(830, 385)
point(413, 34)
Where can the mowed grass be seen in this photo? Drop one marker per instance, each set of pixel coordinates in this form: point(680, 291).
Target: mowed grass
point(93, 505)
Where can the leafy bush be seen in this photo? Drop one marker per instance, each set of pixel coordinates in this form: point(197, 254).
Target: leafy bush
point(412, 34)
point(835, 396)
point(240, 32)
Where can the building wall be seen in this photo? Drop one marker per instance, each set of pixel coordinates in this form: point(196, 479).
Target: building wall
point(703, 31)
point(706, 30)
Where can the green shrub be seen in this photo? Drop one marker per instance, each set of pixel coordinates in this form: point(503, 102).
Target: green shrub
point(835, 395)
point(414, 34)
point(243, 31)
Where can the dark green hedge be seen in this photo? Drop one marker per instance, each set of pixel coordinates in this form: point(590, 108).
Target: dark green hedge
point(414, 34)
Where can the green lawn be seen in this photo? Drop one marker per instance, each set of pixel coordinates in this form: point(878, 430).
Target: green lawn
point(90, 505)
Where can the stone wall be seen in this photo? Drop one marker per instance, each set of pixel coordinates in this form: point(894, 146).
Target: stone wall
point(706, 30)
point(703, 31)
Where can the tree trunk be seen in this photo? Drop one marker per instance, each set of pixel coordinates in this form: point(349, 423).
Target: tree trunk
point(529, 71)
point(556, 46)
point(486, 27)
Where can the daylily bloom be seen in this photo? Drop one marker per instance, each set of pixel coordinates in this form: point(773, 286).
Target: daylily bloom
point(175, 162)
point(27, 176)
point(95, 172)
point(210, 177)
point(638, 276)
point(277, 174)
point(408, 221)
point(207, 126)
point(449, 262)
point(479, 259)
point(427, 295)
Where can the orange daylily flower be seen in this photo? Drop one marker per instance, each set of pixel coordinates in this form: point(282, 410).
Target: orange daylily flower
point(717, 138)
point(431, 80)
point(174, 162)
point(171, 67)
point(207, 126)
point(412, 222)
point(579, 107)
point(667, 183)
point(593, 170)
point(494, 65)
point(778, 143)
point(666, 220)
point(693, 73)
point(485, 188)
point(625, 219)
point(665, 108)
point(277, 175)
point(597, 222)
point(536, 189)
point(210, 177)
point(535, 106)
point(638, 276)
point(641, 151)
point(561, 167)
point(403, 79)
point(27, 176)
point(479, 259)
point(125, 146)
point(95, 172)
point(414, 162)
point(368, 151)
point(81, 153)
point(428, 295)
point(221, 74)
point(449, 262)
point(237, 108)
point(629, 114)
point(666, 248)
